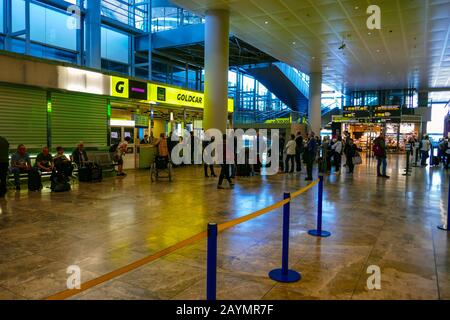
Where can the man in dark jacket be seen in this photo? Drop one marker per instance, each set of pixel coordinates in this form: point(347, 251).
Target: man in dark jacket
point(79, 155)
point(206, 143)
point(298, 151)
point(379, 150)
point(4, 158)
point(311, 151)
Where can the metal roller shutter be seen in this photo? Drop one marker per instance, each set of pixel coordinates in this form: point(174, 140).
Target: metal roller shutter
point(77, 117)
point(23, 116)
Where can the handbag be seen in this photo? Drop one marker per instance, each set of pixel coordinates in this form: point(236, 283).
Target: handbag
point(357, 159)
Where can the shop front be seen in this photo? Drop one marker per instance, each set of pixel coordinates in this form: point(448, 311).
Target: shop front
point(365, 123)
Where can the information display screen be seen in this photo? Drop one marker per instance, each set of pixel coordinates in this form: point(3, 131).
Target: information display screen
point(141, 121)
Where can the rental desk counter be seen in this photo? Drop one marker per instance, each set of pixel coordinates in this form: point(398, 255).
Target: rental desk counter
point(147, 154)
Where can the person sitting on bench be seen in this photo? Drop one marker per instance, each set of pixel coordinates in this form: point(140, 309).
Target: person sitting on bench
point(79, 155)
point(20, 163)
point(62, 163)
point(44, 161)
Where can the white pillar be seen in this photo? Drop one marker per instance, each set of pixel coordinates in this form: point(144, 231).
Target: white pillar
point(217, 28)
point(315, 98)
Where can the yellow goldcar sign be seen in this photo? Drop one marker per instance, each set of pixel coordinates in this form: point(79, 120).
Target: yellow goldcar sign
point(163, 94)
point(180, 97)
point(119, 87)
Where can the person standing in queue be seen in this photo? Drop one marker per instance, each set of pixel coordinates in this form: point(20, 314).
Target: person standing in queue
point(281, 152)
point(120, 153)
point(425, 151)
point(225, 168)
point(206, 143)
point(4, 157)
point(352, 151)
point(298, 151)
point(380, 152)
point(337, 148)
point(345, 146)
point(290, 154)
point(311, 151)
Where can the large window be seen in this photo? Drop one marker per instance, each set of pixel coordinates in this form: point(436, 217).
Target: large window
point(167, 18)
point(50, 27)
point(133, 13)
point(18, 15)
point(1, 16)
point(115, 45)
point(436, 125)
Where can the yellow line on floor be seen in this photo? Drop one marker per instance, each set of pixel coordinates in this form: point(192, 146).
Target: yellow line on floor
point(139, 263)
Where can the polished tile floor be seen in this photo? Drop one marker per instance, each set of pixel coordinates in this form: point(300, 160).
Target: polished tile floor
point(100, 227)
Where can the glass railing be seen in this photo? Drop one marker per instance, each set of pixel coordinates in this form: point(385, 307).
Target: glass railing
point(299, 79)
point(126, 12)
point(169, 18)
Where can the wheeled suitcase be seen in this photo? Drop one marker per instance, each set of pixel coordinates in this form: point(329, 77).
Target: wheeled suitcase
point(96, 174)
point(90, 174)
point(436, 161)
point(84, 174)
point(243, 170)
point(34, 181)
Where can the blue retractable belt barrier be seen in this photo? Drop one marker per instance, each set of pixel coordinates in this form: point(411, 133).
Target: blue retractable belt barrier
point(211, 267)
point(284, 274)
point(319, 232)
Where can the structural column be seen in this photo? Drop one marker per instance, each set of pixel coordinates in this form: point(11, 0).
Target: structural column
point(315, 102)
point(93, 34)
point(216, 69)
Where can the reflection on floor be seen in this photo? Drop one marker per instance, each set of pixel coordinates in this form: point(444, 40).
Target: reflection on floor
point(100, 227)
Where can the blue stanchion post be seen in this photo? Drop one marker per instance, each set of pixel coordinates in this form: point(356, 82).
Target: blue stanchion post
point(445, 225)
point(284, 274)
point(319, 232)
point(211, 264)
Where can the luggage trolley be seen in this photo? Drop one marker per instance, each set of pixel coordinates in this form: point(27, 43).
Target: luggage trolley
point(160, 165)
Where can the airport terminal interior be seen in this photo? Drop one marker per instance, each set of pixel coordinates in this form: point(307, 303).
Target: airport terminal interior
point(339, 111)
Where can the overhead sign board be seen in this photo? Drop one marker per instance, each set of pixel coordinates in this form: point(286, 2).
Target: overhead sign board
point(179, 97)
point(156, 93)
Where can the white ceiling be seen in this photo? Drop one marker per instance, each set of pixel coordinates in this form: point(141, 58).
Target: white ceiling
point(412, 49)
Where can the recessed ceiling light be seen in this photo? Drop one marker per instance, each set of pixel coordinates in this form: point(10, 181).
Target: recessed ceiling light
point(356, 8)
point(369, 33)
point(293, 42)
point(266, 22)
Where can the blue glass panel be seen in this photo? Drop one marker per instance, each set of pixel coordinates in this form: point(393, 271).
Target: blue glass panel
point(1, 16)
point(115, 46)
point(18, 15)
point(51, 27)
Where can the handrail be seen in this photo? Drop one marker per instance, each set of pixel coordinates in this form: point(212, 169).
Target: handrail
point(197, 237)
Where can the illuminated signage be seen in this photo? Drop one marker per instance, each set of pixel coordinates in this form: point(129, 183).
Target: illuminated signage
point(279, 121)
point(119, 87)
point(79, 80)
point(137, 90)
point(180, 97)
point(154, 93)
point(357, 112)
point(141, 121)
point(125, 88)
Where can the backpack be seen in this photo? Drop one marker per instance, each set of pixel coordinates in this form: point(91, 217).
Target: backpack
point(377, 150)
point(114, 147)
